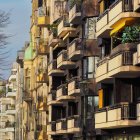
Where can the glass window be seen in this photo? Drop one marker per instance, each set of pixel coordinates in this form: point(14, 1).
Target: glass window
point(89, 67)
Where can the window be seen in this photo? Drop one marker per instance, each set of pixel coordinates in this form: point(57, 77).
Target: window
point(89, 66)
point(92, 102)
point(90, 28)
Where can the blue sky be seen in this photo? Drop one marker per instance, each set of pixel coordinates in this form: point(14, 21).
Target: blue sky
point(19, 26)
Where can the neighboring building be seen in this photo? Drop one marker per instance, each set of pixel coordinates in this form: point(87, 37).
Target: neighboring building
point(8, 107)
point(73, 56)
point(118, 71)
point(20, 90)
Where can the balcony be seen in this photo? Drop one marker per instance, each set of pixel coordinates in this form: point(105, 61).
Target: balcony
point(118, 64)
point(53, 40)
point(62, 93)
point(75, 14)
point(42, 47)
point(10, 126)
point(64, 29)
point(51, 128)
point(119, 13)
point(11, 94)
point(117, 116)
point(63, 62)
point(52, 98)
point(74, 124)
point(136, 56)
point(73, 87)
point(11, 111)
point(12, 77)
point(53, 71)
point(61, 126)
point(7, 101)
point(75, 50)
point(43, 18)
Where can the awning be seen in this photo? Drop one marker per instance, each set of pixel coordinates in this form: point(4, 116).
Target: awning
point(121, 24)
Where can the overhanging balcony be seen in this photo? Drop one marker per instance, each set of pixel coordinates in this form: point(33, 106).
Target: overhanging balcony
point(11, 94)
point(62, 93)
point(64, 29)
point(52, 98)
point(61, 126)
point(73, 87)
point(117, 116)
point(43, 18)
point(51, 128)
point(53, 71)
point(63, 62)
point(74, 124)
point(75, 14)
point(11, 111)
point(53, 40)
point(121, 12)
point(75, 50)
point(7, 101)
point(118, 64)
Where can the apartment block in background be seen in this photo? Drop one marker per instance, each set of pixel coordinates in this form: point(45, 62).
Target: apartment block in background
point(8, 107)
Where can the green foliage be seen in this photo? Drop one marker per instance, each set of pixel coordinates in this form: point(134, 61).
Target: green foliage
point(130, 34)
point(73, 2)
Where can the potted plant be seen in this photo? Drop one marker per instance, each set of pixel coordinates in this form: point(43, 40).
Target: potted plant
point(127, 39)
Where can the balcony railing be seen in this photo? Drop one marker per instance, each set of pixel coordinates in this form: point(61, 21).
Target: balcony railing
point(53, 40)
point(52, 97)
point(75, 50)
point(61, 91)
point(43, 17)
point(51, 128)
point(52, 69)
point(74, 124)
point(115, 116)
point(64, 28)
point(74, 87)
point(119, 63)
point(61, 126)
point(63, 62)
point(75, 14)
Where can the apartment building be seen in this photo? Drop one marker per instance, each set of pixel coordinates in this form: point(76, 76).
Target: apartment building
point(8, 107)
point(19, 96)
point(118, 71)
point(74, 53)
point(35, 75)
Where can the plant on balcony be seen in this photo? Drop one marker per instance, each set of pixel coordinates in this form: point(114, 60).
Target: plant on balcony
point(131, 34)
point(73, 2)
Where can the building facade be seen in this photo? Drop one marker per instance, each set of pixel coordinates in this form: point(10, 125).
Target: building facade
point(118, 70)
point(78, 76)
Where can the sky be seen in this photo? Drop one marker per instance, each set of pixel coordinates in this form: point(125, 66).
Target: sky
point(19, 26)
